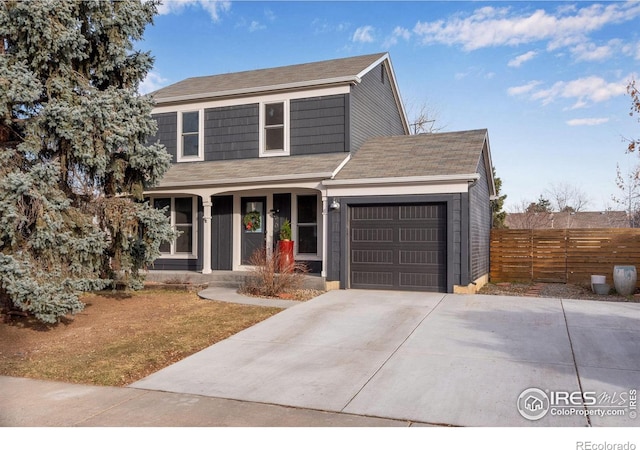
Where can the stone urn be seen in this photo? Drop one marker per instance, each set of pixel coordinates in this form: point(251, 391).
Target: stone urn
point(624, 279)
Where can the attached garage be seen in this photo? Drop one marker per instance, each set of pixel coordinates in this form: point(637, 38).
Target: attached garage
point(417, 221)
point(401, 246)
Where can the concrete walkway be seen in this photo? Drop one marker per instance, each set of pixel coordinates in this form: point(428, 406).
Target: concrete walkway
point(431, 358)
point(374, 358)
point(231, 295)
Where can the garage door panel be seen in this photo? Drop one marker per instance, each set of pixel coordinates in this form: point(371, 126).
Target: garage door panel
point(376, 213)
point(372, 256)
point(398, 247)
point(421, 257)
point(420, 235)
point(372, 279)
point(421, 281)
point(372, 235)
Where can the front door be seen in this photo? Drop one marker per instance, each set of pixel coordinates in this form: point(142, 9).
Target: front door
point(254, 227)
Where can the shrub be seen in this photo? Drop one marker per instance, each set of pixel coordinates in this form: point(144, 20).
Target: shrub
point(266, 279)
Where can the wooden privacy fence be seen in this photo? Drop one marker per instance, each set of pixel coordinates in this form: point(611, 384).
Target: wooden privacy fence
point(562, 255)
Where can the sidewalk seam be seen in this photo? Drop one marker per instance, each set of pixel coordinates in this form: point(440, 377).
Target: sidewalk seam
point(575, 363)
point(111, 407)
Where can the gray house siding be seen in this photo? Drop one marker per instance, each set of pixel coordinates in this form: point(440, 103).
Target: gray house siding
point(480, 223)
point(374, 111)
point(318, 125)
point(338, 243)
point(231, 132)
point(167, 133)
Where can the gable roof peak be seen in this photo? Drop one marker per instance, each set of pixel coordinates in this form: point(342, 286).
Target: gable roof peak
point(334, 71)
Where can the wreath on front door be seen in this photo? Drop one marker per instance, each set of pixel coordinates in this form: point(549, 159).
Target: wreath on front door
point(252, 221)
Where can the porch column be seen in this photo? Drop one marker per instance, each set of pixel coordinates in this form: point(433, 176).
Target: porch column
point(325, 235)
point(206, 235)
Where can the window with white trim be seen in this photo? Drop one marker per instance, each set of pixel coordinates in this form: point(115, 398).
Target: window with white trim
point(274, 128)
point(190, 136)
point(307, 207)
point(181, 212)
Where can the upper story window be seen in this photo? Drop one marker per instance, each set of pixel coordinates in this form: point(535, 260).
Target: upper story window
point(190, 136)
point(274, 128)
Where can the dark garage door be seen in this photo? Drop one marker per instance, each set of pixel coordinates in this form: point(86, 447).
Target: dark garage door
point(399, 247)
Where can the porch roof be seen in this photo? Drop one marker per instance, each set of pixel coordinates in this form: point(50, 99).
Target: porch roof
point(253, 170)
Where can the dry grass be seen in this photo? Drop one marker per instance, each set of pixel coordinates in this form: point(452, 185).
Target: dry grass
point(120, 338)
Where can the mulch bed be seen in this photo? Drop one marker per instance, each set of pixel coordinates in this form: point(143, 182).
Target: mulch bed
point(555, 290)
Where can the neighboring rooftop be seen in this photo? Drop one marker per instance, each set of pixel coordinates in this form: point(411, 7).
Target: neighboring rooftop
point(436, 154)
point(341, 70)
point(583, 219)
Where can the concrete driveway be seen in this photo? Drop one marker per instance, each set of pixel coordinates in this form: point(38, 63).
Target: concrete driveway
point(432, 358)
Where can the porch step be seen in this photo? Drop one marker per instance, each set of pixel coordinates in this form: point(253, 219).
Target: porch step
point(218, 278)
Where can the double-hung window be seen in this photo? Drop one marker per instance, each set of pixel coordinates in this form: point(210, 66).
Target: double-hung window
point(274, 119)
point(190, 146)
point(307, 224)
point(181, 213)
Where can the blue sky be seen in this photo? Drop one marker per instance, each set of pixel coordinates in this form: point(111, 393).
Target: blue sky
point(547, 79)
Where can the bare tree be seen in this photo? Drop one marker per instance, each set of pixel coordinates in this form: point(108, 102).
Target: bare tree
point(567, 198)
point(629, 199)
point(529, 215)
point(423, 119)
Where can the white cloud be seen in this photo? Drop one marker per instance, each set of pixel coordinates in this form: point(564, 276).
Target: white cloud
point(490, 26)
point(524, 89)
point(213, 7)
point(270, 15)
point(521, 59)
point(587, 121)
point(255, 26)
point(583, 91)
point(589, 51)
point(363, 34)
point(321, 26)
point(398, 32)
point(152, 82)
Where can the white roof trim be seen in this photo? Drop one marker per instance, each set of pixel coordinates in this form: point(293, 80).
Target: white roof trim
point(342, 164)
point(427, 179)
point(242, 181)
point(260, 89)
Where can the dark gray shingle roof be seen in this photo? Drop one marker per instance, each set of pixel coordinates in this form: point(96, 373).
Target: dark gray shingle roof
point(238, 171)
point(454, 153)
point(258, 80)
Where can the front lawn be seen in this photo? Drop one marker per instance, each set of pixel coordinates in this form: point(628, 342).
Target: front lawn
point(121, 337)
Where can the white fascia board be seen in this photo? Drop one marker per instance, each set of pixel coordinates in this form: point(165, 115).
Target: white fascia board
point(243, 181)
point(249, 99)
point(260, 89)
point(372, 66)
point(428, 179)
point(341, 165)
point(489, 166)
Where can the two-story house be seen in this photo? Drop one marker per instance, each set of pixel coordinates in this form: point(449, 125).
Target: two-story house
point(325, 145)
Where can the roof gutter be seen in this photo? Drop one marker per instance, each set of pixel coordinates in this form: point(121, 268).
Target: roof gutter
point(243, 181)
point(260, 89)
point(426, 179)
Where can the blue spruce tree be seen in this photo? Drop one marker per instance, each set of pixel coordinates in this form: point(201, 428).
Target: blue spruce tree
point(74, 156)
